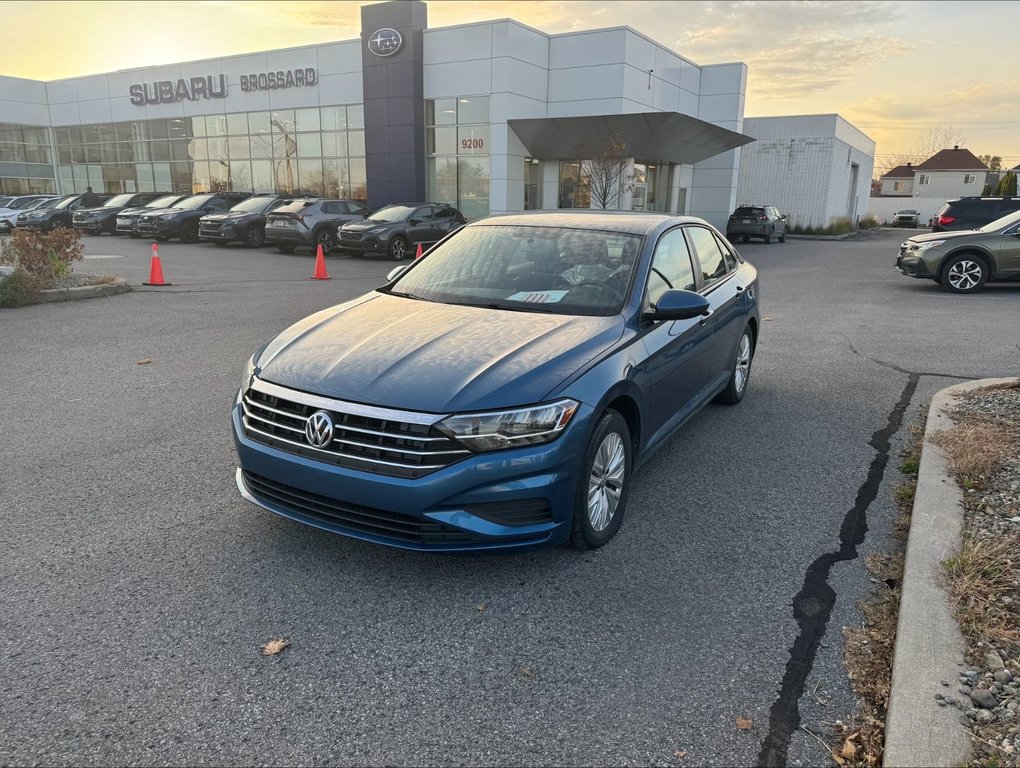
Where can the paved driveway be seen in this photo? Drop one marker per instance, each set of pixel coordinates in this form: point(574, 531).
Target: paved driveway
point(138, 586)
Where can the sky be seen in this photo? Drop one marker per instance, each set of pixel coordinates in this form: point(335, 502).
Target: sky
point(902, 72)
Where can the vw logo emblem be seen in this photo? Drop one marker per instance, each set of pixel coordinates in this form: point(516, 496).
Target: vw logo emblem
point(319, 429)
point(385, 42)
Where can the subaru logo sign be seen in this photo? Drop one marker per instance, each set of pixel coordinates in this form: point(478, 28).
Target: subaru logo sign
point(385, 42)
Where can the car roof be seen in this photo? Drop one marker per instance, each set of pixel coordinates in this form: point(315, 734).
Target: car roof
point(628, 222)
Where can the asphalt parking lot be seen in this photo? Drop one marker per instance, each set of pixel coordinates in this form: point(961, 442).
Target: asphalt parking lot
point(139, 586)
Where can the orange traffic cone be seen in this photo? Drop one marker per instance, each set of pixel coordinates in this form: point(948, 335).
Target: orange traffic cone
point(419, 253)
point(320, 266)
point(156, 269)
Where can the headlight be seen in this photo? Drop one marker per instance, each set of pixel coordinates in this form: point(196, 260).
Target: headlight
point(166, 218)
point(926, 245)
point(509, 429)
point(249, 372)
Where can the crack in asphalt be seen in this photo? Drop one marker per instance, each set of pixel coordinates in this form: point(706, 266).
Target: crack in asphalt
point(812, 606)
point(896, 368)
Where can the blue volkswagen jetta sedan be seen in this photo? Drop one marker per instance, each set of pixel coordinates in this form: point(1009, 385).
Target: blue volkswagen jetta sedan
point(500, 392)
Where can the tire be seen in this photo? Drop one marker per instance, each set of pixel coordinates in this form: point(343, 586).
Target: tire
point(964, 273)
point(736, 387)
point(782, 237)
point(598, 513)
point(326, 239)
point(133, 234)
point(745, 239)
point(254, 237)
point(285, 248)
point(398, 248)
point(189, 233)
point(768, 237)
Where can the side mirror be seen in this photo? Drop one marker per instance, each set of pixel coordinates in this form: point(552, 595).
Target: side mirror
point(678, 305)
point(414, 222)
point(396, 272)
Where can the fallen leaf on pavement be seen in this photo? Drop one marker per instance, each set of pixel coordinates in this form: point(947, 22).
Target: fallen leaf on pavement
point(274, 646)
point(146, 361)
point(482, 607)
point(744, 723)
point(767, 319)
point(849, 749)
point(680, 754)
point(527, 671)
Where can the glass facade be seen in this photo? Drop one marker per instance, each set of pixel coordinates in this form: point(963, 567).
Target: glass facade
point(457, 150)
point(315, 151)
point(25, 161)
point(574, 185)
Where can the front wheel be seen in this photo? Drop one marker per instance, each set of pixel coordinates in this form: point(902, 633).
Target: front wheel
point(398, 248)
point(189, 233)
point(254, 237)
point(741, 372)
point(602, 483)
point(782, 237)
point(964, 273)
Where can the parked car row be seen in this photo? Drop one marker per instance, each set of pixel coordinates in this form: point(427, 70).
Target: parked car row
point(14, 205)
point(284, 221)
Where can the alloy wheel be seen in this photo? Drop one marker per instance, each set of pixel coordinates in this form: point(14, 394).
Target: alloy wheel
point(605, 484)
point(964, 275)
point(742, 370)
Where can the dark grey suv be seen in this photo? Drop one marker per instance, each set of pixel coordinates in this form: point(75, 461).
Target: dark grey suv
point(764, 221)
point(310, 222)
point(973, 212)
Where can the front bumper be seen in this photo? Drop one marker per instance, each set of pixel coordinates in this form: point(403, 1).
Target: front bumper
point(287, 236)
point(437, 512)
point(914, 266)
point(222, 234)
point(161, 228)
point(92, 227)
point(369, 244)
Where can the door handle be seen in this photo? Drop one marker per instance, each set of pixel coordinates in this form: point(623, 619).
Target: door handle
point(705, 318)
point(740, 288)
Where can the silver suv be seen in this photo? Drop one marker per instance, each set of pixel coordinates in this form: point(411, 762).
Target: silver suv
point(311, 221)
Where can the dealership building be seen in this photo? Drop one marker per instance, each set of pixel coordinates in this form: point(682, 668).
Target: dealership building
point(491, 117)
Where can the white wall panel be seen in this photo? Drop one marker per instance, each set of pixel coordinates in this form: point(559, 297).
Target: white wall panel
point(236, 66)
point(458, 79)
point(65, 114)
point(587, 49)
point(20, 89)
point(91, 88)
point(596, 82)
point(528, 45)
point(339, 58)
point(585, 107)
point(61, 92)
point(718, 109)
point(292, 58)
point(455, 44)
point(340, 89)
point(723, 78)
point(527, 79)
point(97, 111)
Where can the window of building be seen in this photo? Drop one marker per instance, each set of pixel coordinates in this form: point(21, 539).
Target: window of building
point(897, 186)
point(969, 178)
point(532, 184)
point(924, 179)
point(574, 189)
point(457, 135)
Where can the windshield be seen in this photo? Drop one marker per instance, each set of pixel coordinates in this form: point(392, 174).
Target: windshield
point(527, 269)
point(163, 202)
point(119, 201)
point(254, 205)
point(51, 202)
point(194, 203)
point(1005, 221)
point(36, 204)
point(392, 213)
point(21, 203)
point(65, 202)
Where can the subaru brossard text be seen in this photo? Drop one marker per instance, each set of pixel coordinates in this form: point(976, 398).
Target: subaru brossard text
point(499, 393)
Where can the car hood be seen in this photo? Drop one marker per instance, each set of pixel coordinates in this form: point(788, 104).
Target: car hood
point(231, 216)
point(438, 358)
point(100, 209)
point(929, 236)
point(365, 225)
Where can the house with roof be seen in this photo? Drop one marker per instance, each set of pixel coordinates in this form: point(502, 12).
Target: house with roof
point(950, 173)
point(899, 182)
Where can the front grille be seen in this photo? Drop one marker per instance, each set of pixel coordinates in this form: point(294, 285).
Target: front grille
point(79, 218)
point(516, 513)
point(358, 518)
point(209, 226)
point(367, 439)
point(349, 237)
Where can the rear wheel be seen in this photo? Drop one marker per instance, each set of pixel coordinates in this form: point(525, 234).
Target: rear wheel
point(254, 237)
point(768, 237)
point(741, 372)
point(782, 237)
point(601, 494)
point(326, 239)
point(189, 232)
point(964, 273)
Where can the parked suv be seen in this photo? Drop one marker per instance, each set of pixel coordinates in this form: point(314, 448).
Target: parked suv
point(310, 221)
point(95, 221)
point(15, 206)
point(764, 221)
point(908, 217)
point(395, 229)
point(127, 220)
point(973, 212)
point(54, 213)
point(182, 220)
point(246, 221)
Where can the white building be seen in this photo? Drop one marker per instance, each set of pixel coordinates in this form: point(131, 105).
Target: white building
point(813, 168)
point(486, 116)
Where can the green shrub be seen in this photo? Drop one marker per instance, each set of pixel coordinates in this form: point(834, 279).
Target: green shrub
point(869, 222)
point(839, 225)
point(19, 289)
point(1007, 185)
point(45, 255)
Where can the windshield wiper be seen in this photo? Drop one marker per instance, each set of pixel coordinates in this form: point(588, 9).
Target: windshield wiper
point(408, 295)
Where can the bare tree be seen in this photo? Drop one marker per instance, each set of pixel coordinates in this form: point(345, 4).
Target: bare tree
point(605, 170)
point(925, 146)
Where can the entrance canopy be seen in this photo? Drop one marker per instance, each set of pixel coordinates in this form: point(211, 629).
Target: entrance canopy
point(659, 136)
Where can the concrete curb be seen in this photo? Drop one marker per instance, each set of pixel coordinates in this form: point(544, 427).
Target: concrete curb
point(822, 237)
point(84, 292)
point(929, 646)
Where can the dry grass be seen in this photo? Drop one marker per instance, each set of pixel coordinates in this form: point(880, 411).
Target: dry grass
point(975, 449)
point(979, 575)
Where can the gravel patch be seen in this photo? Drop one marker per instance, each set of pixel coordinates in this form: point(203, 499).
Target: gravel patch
point(990, 687)
point(75, 280)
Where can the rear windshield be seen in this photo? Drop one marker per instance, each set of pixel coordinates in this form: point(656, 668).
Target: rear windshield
point(119, 200)
point(254, 204)
point(163, 202)
point(749, 212)
point(295, 206)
